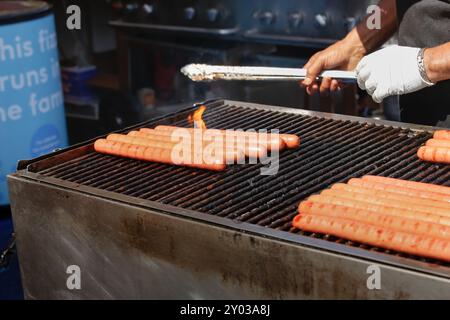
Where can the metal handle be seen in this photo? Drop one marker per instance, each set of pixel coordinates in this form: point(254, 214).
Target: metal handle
point(289, 39)
point(158, 27)
point(202, 72)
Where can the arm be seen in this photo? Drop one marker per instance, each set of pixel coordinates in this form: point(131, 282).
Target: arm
point(346, 53)
point(371, 39)
point(437, 62)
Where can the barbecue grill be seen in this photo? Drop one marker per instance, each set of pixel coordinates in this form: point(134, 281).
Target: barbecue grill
point(148, 230)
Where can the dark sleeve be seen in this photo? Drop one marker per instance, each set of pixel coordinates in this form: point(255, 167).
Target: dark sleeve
point(425, 23)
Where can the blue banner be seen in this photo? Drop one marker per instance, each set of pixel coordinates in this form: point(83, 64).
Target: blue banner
point(32, 121)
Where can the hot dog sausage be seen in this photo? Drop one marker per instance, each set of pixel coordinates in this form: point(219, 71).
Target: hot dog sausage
point(162, 155)
point(434, 154)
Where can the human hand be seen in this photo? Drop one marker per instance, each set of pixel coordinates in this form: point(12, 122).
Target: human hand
point(342, 55)
point(390, 71)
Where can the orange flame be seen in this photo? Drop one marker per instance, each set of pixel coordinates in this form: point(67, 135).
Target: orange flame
point(196, 118)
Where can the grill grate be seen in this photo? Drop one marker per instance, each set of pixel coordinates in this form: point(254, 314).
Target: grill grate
point(331, 151)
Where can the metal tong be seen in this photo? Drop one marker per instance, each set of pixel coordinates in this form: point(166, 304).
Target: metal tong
point(204, 72)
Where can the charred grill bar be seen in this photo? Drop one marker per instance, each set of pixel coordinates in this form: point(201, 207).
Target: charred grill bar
point(135, 226)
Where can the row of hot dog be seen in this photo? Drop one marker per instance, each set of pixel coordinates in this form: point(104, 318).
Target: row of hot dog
point(400, 215)
point(404, 216)
point(210, 149)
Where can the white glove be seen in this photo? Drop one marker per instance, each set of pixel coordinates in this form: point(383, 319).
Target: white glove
point(390, 71)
